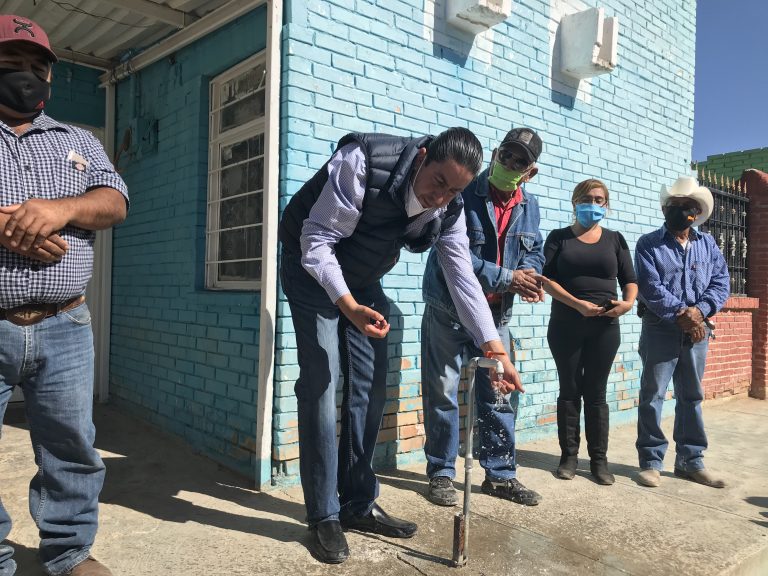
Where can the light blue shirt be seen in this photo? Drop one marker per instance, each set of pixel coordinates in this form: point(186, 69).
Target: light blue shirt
point(335, 215)
point(671, 278)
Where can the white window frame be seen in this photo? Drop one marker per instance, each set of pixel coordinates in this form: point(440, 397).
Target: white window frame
point(216, 142)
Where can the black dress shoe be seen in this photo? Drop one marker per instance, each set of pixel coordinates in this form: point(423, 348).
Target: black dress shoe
point(379, 522)
point(327, 542)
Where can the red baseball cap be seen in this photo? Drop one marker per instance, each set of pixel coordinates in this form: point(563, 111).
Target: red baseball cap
point(20, 29)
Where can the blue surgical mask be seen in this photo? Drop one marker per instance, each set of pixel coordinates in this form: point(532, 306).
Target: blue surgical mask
point(589, 214)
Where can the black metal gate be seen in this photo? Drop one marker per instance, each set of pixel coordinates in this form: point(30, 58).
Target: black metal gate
point(728, 225)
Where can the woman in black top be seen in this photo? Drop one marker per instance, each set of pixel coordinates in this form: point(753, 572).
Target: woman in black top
point(582, 265)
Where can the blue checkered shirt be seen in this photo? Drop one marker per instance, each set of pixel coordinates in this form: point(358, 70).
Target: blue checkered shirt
point(35, 165)
point(671, 278)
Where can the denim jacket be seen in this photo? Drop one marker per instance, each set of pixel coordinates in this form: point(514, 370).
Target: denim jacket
point(523, 248)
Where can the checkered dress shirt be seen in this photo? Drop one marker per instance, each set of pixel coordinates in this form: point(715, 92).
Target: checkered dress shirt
point(35, 165)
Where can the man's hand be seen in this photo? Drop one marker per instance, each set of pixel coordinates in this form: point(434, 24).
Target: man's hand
point(697, 333)
point(524, 284)
point(32, 222)
point(367, 320)
point(511, 380)
point(52, 250)
point(689, 318)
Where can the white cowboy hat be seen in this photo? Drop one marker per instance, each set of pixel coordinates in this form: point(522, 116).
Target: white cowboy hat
point(687, 187)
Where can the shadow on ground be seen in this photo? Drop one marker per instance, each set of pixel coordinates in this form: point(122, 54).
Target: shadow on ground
point(152, 479)
point(26, 559)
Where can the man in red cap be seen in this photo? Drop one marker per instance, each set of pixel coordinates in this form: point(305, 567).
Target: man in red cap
point(58, 189)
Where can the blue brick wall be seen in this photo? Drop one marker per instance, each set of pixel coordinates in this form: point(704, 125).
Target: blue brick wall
point(182, 357)
point(382, 66)
point(76, 96)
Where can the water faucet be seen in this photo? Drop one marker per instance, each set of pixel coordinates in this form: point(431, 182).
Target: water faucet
point(461, 520)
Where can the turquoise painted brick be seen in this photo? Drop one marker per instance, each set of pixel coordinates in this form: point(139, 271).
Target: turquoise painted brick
point(372, 41)
point(419, 113)
point(405, 96)
point(284, 421)
point(385, 103)
point(448, 95)
point(634, 115)
point(375, 114)
point(347, 64)
point(413, 125)
point(240, 394)
point(372, 56)
point(287, 373)
point(388, 77)
point(403, 54)
point(348, 93)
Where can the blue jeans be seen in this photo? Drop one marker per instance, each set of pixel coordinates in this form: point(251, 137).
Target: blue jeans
point(443, 344)
point(53, 363)
point(335, 480)
point(668, 354)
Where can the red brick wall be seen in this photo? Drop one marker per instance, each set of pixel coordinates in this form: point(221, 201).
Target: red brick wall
point(757, 281)
point(729, 362)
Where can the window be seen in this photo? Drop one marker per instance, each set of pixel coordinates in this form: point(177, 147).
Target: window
point(236, 177)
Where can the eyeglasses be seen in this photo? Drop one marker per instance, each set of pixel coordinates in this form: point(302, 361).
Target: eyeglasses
point(513, 159)
point(590, 200)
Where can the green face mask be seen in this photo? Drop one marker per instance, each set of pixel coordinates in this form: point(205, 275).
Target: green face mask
point(504, 179)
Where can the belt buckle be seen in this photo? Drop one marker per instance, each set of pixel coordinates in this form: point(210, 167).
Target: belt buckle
point(25, 316)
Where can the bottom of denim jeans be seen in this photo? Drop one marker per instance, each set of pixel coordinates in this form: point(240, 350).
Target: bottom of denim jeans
point(60, 567)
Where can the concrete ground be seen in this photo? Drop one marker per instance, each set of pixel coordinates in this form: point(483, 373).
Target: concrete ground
point(168, 512)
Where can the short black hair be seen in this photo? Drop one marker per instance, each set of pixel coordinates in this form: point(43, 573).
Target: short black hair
point(457, 144)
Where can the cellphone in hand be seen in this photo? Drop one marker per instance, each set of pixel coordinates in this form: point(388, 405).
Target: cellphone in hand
point(607, 305)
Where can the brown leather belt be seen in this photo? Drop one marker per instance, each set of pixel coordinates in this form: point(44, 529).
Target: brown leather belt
point(29, 314)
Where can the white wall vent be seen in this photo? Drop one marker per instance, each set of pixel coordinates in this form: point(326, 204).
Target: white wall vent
point(588, 44)
point(476, 16)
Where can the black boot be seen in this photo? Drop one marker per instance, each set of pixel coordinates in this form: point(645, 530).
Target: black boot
point(596, 428)
point(568, 429)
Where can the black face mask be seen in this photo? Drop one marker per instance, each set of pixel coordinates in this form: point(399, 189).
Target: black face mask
point(679, 218)
point(23, 91)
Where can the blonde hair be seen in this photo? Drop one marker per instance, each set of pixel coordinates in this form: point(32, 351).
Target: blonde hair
point(582, 188)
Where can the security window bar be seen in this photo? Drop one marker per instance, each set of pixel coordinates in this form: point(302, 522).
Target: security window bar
point(236, 177)
point(728, 226)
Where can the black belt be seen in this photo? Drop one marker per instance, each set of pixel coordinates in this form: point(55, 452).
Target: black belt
point(28, 314)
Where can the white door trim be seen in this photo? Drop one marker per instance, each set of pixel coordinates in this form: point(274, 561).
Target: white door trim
point(271, 210)
point(101, 283)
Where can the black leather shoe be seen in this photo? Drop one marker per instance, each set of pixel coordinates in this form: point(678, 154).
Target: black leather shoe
point(328, 543)
point(379, 522)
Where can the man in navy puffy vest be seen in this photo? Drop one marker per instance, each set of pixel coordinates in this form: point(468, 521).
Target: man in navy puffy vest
point(341, 232)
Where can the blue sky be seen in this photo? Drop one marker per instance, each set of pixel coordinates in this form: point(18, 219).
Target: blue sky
point(731, 82)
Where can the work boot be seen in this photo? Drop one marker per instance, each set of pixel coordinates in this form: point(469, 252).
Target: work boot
point(513, 490)
point(90, 567)
point(442, 492)
point(568, 430)
point(701, 477)
point(649, 477)
point(596, 428)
